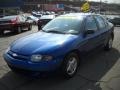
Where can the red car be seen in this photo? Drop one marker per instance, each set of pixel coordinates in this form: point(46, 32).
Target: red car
point(14, 23)
point(44, 20)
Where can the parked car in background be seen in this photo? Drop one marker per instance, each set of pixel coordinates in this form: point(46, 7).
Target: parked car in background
point(44, 20)
point(15, 23)
point(115, 21)
point(33, 18)
point(61, 44)
point(37, 14)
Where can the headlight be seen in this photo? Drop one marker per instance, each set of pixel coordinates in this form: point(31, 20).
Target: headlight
point(38, 58)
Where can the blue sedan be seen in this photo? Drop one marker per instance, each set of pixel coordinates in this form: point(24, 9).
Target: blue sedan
point(60, 44)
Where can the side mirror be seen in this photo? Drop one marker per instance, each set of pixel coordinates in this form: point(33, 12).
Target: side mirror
point(89, 31)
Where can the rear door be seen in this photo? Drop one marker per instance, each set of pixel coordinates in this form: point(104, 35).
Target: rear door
point(103, 29)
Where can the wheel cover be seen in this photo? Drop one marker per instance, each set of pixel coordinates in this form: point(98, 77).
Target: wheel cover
point(72, 65)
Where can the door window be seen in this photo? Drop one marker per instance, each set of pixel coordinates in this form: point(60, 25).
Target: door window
point(90, 24)
point(100, 22)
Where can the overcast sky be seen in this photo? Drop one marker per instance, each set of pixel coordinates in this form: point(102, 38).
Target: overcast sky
point(109, 1)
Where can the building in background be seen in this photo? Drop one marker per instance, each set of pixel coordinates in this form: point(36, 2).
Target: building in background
point(8, 7)
point(54, 5)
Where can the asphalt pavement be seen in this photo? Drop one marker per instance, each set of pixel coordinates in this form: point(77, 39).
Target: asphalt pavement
point(98, 71)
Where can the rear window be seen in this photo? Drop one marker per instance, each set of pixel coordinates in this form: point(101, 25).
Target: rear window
point(9, 17)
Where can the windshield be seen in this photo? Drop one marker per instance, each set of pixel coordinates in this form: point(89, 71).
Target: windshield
point(70, 25)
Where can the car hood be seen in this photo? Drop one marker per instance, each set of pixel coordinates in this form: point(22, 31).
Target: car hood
point(40, 42)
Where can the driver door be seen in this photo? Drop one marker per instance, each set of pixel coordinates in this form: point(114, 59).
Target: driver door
point(90, 41)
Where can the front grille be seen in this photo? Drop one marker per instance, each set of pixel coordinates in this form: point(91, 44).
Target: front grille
point(18, 56)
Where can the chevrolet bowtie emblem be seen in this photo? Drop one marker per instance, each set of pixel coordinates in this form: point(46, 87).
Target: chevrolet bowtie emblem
point(14, 54)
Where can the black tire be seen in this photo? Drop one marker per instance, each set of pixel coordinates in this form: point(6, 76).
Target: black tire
point(108, 46)
point(17, 30)
point(34, 23)
point(65, 67)
point(30, 27)
point(39, 27)
point(1, 32)
point(14, 69)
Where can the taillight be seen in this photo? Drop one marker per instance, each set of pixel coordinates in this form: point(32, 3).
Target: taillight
point(14, 21)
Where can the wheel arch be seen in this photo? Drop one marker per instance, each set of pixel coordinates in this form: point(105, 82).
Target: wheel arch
point(76, 51)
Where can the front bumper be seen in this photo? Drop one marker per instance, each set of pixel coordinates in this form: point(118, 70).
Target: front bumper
point(33, 66)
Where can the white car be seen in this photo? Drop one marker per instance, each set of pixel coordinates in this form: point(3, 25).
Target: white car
point(33, 18)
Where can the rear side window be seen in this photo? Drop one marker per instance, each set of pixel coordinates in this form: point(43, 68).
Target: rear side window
point(90, 24)
point(101, 22)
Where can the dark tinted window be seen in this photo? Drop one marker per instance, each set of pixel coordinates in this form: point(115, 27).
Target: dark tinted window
point(90, 23)
point(100, 21)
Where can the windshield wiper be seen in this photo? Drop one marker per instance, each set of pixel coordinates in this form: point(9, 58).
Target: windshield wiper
point(54, 31)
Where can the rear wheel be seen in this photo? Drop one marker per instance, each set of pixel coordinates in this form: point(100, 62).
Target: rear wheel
point(70, 65)
point(17, 30)
point(109, 44)
point(1, 32)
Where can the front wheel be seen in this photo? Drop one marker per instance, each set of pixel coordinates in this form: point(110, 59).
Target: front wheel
point(14, 69)
point(70, 65)
point(30, 27)
point(109, 44)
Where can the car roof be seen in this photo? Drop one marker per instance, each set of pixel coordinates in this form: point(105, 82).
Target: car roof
point(47, 17)
point(79, 14)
